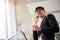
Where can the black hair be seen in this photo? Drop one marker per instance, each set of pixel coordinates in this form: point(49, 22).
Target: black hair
point(42, 8)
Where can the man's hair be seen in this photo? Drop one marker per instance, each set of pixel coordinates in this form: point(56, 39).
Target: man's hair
point(42, 8)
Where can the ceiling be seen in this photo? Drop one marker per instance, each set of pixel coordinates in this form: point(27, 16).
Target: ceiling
point(31, 1)
point(28, 1)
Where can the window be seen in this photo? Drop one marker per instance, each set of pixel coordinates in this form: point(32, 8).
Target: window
point(7, 19)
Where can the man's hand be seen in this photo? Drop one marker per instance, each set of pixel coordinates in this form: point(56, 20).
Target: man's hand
point(35, 19)
point(36, 28)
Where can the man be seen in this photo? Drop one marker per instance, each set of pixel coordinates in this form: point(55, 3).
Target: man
point(48, 27)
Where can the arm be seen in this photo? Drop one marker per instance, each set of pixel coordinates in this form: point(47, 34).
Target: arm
point(35, 35)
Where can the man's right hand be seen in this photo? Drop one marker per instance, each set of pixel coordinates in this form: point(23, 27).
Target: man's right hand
point(35, 28)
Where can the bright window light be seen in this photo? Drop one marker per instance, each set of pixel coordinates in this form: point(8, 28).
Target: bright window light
point(2, 20)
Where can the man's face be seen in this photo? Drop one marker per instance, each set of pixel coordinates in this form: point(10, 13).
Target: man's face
point(40, 13)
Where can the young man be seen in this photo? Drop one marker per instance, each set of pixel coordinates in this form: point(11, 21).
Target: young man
point(48, 27)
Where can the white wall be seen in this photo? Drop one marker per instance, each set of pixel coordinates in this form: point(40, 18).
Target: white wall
point(49, 5)
point(23, 18)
